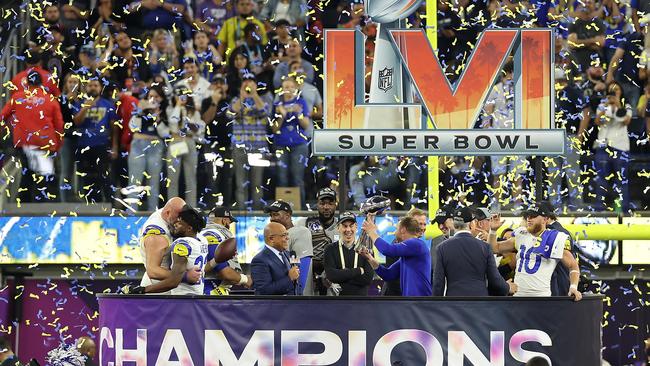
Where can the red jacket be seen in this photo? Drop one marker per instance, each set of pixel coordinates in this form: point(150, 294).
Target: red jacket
point(20, 81)
point(127, 105)
point(35, 117)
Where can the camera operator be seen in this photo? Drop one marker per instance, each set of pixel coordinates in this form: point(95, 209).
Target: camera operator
point(612, 148)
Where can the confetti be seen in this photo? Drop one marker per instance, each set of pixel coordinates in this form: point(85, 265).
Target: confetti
point(468, 179)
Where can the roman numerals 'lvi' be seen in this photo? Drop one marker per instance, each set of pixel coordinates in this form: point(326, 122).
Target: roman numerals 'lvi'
point(454, 107)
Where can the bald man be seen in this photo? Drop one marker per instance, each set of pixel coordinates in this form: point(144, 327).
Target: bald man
point(271, 271)
point(86, 346)
point(156, 237)
point(7, 356)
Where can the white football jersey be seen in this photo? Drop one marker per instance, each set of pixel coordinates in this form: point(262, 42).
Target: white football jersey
point(196, 252)
point(155, 225)
point(215, 234)
point(536, 260)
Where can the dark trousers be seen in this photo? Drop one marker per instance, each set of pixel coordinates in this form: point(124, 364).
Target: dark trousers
point(609, 160)
point(214, 180)
point(94, 165)
point(391, 288)
point(320, 285)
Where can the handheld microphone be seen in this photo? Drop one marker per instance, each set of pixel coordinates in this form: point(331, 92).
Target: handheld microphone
point(293, 258)
point(294, 261)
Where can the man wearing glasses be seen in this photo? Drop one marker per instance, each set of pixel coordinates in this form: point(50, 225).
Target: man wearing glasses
point(538, 252)
point(300, 243)
point(271, 269)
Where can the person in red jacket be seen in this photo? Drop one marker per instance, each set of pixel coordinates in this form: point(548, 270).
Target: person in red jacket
point(35, 119)
point(34, 63)
point(126, 104)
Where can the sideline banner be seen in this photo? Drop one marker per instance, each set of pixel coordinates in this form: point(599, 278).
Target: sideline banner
point(64, 239)
point(114, 239)
point(282, 331)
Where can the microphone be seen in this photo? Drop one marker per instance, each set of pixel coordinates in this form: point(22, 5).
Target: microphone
point(294, 261)
point(293, 258)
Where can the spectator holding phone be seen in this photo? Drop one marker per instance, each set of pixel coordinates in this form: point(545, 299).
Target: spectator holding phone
point(215, 160)
point(197, 85)
point(187, 129)
point(149, 126)
point(612, 148)
point(250, 113)
point(292, 129)
point(71, 93)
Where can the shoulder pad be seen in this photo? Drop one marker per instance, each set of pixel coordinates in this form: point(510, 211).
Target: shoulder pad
point(153, 230)
point(519, 231)
point(212, 236)
point(181, 247)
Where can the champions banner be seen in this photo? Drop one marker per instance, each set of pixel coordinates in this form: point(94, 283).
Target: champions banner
point(282, 331)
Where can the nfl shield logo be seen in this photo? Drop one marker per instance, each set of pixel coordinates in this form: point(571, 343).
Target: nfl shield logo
point(386, 79)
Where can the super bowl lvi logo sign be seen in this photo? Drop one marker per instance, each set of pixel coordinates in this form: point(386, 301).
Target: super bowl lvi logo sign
point(388, 121)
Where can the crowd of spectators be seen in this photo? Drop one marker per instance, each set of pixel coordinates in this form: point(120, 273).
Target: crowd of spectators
point(166, 98)
point(600, 74)
point(216, 101)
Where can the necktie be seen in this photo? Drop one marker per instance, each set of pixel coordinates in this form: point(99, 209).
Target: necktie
point(285, 260)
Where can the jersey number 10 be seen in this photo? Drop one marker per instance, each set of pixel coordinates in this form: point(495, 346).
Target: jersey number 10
point(524, 260)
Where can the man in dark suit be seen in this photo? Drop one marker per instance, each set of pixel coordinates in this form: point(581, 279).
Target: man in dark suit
point(271, 270)
point(467, 263)
point(445, 223)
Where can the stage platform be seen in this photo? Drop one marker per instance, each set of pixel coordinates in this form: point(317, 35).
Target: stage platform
point(359, 331)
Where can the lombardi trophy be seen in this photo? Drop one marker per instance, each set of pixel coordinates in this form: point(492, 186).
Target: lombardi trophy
point(374, 205)
point(389, 83)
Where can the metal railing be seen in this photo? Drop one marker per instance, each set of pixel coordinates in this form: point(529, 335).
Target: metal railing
point(10, 65)
point(14, 44)
point(107, 209)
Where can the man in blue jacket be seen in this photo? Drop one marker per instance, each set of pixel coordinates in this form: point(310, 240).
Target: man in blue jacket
point(414, 264)
point(271, 269)
point(466, 264)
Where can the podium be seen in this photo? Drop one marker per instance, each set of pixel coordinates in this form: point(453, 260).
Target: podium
point(287, 331)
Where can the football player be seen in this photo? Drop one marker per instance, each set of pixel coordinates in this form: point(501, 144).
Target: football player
point(227, 273)
point(155, 238)
point(187, 252)
point(538, 252)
